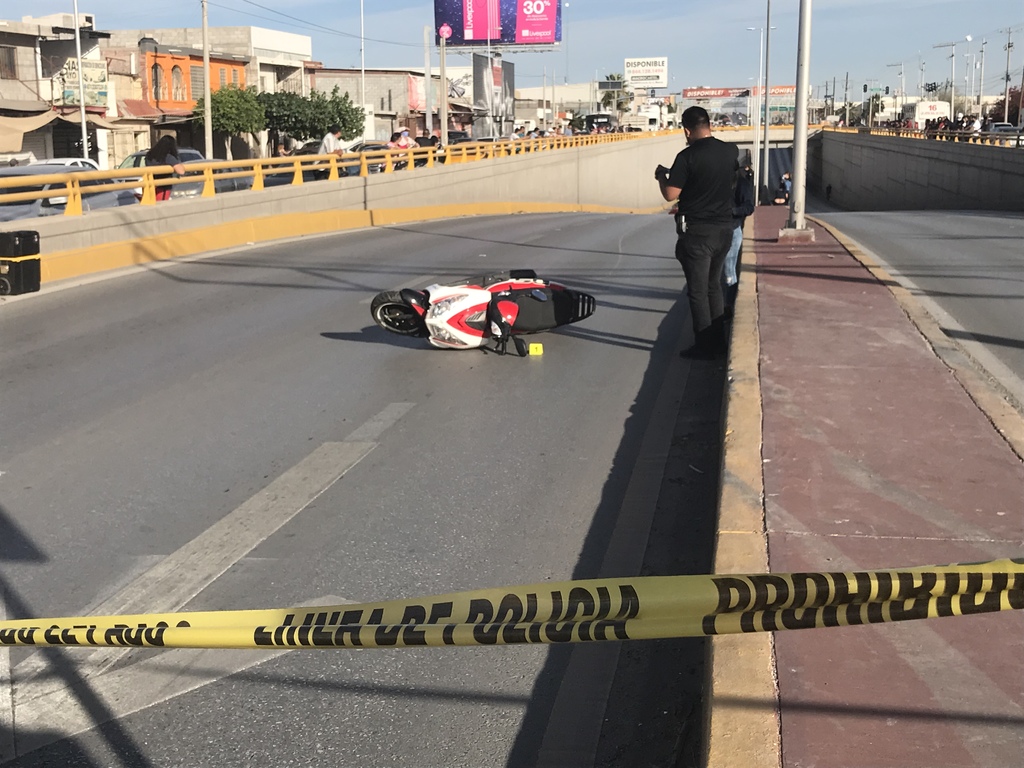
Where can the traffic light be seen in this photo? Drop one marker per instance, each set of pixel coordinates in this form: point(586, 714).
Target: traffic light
point(887, 90)
point(865, 87)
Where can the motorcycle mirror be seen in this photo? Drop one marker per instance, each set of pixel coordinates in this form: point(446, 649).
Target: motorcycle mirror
point(539, 295)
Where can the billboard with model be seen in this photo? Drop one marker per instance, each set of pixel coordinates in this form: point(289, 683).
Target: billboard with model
point(500, 22)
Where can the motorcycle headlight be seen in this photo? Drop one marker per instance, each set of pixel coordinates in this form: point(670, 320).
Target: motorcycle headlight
point(441, 307)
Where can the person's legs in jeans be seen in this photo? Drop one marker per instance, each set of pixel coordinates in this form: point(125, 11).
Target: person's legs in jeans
point(729, 274)
point(701, 251)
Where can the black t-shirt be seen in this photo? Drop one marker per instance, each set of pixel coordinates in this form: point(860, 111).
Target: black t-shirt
point(705, 172)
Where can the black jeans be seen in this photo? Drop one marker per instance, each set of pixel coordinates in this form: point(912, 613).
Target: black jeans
point(701, 250)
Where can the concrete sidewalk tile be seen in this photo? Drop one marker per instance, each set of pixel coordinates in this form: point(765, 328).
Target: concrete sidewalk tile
point(875, 456)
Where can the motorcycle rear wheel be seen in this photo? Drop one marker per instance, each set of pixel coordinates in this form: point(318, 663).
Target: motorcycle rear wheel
point(393, 314)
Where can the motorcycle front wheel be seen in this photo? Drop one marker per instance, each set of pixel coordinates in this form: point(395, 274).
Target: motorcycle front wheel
point(393, 314)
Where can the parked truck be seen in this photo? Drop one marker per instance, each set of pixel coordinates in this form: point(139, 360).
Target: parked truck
point(917, 113)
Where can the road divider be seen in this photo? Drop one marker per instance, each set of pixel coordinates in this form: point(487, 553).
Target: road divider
point(639, 608)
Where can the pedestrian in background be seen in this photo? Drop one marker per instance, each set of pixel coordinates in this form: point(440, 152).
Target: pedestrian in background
point(742, 206)
point(165, 152)
point(330, 144)
point(701, 182)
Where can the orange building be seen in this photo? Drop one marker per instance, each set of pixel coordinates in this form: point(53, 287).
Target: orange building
point(173, 76)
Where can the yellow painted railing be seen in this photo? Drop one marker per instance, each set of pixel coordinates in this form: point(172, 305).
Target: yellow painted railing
point(67, 188)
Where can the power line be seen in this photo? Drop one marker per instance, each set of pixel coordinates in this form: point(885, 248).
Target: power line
point(303, 24)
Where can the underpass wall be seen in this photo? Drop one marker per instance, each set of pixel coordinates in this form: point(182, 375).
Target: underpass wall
point(614, 177)
point(881, 173)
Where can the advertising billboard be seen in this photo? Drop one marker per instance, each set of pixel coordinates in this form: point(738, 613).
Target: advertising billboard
point(494, 88)
point(646, 73)
point(500, 22)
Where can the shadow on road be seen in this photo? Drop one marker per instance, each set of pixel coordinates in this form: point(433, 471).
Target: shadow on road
point(654, 705)
point(15, 546)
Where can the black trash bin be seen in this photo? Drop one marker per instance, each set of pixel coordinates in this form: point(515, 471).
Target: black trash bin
point(19, 262)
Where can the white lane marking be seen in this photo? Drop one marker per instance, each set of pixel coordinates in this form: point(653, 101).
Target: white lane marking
point(421, 280)
point(38, 663)
point(154, 680)
point(375, 427)
point(6, 694)
point(182, 575)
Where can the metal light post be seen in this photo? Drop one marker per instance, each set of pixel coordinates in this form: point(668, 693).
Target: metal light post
point(798, 196)
point(757, 114)
point(766, 94)
point(903, 86)
point(81, 85)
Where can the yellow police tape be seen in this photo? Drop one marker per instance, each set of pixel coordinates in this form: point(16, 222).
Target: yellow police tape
point(573, 611)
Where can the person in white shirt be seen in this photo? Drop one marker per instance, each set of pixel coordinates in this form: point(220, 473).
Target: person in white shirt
point(331, 142)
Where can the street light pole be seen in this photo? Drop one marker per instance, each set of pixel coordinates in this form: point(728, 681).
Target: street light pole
point(766, 93)
point(757, 114)
point(798, 195)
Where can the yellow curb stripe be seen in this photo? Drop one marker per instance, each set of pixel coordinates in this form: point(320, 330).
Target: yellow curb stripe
point(742, 669)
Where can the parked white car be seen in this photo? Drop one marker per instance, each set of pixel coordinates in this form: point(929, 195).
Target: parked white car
point(85, 163)
point(54, 205)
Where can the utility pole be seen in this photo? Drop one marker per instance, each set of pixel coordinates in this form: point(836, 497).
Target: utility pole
point(428, 85)
point(1006, 92)
point(846, 99)
point(207, 108)
point(981, 76)
point(81, 82)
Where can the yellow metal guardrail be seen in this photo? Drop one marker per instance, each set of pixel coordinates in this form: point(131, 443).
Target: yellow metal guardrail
point(997, 139)
point(68, 188)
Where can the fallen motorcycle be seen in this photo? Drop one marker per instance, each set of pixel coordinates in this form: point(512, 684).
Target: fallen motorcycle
point(478, 311)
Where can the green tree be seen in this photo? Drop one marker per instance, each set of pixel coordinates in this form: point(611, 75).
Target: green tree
point(326, 110)
point(233, 111)
point(287, 114)
point(1013, 114)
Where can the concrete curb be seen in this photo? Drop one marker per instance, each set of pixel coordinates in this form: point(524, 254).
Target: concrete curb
point(742, 726)
point(991, 399)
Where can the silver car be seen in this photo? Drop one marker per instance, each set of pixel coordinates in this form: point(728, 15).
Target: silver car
point(189, 189)
point(53, 205)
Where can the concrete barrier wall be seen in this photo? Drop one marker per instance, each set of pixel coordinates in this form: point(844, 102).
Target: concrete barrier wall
point(613, 177)
point(895, 173)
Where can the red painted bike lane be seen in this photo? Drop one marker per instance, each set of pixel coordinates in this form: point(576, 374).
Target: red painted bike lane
point(875, 457)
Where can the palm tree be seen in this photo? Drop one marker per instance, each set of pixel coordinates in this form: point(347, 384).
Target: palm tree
point(617, 99)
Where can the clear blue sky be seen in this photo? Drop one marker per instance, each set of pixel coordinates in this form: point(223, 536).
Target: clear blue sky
point(706, 43)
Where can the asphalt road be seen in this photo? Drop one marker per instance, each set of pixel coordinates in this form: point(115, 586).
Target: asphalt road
point(173, 438)
point(967, 267)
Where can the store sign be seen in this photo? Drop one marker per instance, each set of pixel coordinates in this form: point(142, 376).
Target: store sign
point(646, 73)
point(94, 80)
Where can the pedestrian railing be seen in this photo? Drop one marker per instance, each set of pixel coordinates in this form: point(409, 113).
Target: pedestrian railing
point(1013, 139)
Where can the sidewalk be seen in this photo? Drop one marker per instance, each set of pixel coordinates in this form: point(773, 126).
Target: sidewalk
point(874, 456)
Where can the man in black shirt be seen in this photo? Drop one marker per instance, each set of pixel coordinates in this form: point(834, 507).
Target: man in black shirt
point(701, 180)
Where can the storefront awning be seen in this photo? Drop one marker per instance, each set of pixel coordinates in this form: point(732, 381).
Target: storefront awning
point(94, 120)
point(13, 129)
